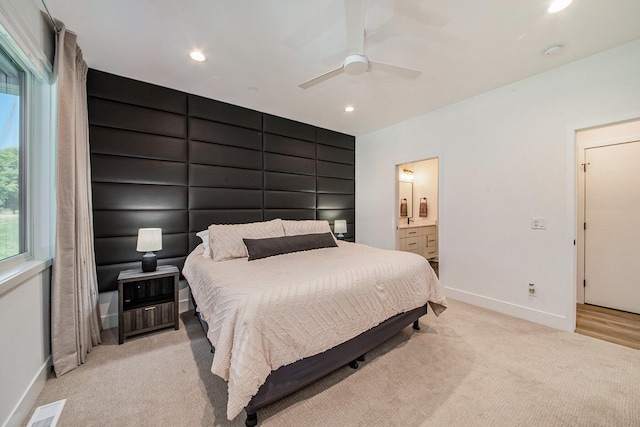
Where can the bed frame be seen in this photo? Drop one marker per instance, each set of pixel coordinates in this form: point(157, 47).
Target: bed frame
point(291, 378)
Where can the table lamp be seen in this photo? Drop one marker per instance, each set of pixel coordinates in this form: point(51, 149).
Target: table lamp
point(149, 240)
point(340, 226)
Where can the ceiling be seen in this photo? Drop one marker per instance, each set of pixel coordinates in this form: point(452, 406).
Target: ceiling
point(260, 51)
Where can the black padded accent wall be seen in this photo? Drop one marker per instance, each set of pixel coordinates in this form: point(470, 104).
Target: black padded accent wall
point(225, 165)
point(139, 170)
point(289, 168)
point(164, 158)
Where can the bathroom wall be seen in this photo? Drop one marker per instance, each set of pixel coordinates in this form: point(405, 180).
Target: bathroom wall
point(425, 184)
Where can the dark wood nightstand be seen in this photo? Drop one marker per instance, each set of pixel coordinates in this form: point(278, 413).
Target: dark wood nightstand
point(147, 301)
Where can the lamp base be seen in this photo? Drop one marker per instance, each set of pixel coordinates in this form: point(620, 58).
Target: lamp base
point(149, 262)
point(340, 236)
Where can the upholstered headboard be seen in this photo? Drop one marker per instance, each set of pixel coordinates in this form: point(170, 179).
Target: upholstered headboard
point(164, 158)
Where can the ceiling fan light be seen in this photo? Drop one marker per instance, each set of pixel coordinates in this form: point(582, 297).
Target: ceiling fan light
point(356, 64)
point(558, 5)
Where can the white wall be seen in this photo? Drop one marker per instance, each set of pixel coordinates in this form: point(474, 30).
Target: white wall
point(505, 156)
point(24, 290)
point(25, 351)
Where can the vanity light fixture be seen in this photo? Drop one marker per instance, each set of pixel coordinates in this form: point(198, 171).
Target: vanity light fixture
point(348, 108)
point(197, 56)
point(406, 175)
point(558, 5)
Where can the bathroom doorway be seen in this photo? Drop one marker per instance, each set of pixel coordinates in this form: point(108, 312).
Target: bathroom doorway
point(417, 209)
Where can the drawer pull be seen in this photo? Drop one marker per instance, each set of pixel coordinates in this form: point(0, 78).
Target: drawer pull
point(412, 244)
point(412, 232)
point(150, 308)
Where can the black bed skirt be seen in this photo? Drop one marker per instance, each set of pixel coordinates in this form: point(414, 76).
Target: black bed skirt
point(291, 378)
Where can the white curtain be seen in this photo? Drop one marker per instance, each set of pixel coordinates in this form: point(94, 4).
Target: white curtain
point(75, 318)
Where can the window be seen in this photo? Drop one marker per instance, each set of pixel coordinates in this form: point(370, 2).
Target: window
point(12, 200)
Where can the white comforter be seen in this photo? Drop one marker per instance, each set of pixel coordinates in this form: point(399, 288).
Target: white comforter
point(271, 312)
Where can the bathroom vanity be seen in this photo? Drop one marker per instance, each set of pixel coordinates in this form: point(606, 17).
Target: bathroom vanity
point(421, 239)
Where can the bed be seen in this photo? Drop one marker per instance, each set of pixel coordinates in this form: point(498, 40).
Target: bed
point(284, 303)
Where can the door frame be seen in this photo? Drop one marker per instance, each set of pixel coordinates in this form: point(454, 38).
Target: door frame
point(601, 136)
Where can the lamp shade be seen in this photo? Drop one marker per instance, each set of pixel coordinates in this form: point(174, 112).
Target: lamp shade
point(149, 239)
point(340, 226)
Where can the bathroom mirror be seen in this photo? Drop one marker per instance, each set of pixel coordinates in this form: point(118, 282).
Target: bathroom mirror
point(406, 196)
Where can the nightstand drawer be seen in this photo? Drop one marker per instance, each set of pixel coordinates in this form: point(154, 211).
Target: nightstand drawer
point(149, 317)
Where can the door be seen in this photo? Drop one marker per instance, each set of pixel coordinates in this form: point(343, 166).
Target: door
point(612, 233)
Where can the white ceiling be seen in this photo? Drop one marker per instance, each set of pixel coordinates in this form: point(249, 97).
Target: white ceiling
point(260, 51)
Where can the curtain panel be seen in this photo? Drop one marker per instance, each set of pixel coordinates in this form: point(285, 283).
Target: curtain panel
point(75, 317)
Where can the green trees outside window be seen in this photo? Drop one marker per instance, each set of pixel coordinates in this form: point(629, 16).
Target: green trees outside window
point(11, 194)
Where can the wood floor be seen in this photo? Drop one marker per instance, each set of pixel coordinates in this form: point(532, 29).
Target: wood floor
point(610, 325)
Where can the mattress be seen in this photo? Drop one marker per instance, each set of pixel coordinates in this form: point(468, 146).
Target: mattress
point(267, 313)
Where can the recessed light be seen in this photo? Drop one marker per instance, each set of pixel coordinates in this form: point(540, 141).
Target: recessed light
point(553, 50)
point(348, 108)
point(197, 56)
point(558, 5)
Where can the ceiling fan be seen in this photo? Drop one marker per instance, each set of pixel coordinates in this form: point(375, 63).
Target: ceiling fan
point(356, 62)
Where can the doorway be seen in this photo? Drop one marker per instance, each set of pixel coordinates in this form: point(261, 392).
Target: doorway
point(608, 209)
point(416, 205)
point(612, 233)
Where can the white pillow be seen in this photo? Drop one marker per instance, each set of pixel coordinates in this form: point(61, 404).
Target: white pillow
point(225, 240)
point(295, 228)
point(204, 235)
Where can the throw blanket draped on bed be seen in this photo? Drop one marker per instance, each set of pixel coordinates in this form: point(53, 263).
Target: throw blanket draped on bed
point(271, 312)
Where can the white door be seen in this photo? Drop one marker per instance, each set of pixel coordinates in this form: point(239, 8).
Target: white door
point(612, 234)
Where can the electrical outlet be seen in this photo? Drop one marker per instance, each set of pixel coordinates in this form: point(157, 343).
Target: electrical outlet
point(532, 289)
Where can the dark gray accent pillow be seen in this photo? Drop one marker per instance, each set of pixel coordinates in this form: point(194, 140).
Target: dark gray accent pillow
point(263, 248)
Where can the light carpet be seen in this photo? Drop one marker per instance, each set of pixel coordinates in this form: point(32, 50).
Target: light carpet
point(469, 367)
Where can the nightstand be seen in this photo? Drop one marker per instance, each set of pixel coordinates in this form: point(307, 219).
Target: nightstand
point(147, 301)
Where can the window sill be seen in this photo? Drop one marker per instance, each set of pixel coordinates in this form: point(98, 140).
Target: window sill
point(20, 273)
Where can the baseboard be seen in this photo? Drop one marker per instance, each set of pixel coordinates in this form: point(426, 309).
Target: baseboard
point(185, 305)
point(109, 321)
point(29, 397)
point(527, 313)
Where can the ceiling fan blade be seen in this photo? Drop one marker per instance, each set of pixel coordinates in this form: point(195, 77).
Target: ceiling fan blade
point(354, 14)
point(414, 10)
point(311, 28)
point(405, 27)
point(407, 73)
point(321, 78)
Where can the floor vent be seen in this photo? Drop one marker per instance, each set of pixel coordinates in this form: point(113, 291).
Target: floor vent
point(47, 415)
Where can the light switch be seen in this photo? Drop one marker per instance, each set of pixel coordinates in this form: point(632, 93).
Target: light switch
point(538, 223)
